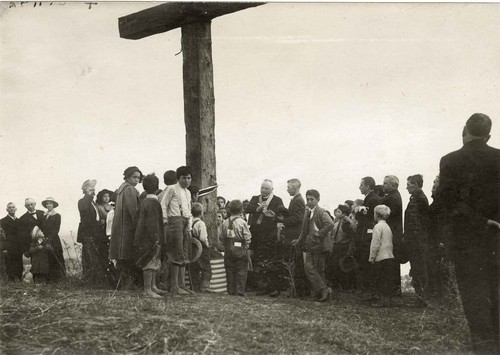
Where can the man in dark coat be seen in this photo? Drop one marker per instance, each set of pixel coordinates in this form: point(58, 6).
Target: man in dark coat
point(364, 274)
point(28, 221)
point(89, 233)
point(392, 199)
point(415, 240)
point(293, 226)
point(439, 279)
point(262, 209)
point(469, 187)
point(14, 245)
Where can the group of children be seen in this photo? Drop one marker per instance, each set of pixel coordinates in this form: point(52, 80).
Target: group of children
point(234, 239)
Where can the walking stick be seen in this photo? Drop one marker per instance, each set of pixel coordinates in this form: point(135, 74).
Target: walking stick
point(63, 267)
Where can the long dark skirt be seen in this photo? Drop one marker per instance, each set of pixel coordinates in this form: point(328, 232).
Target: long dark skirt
point(57, 267)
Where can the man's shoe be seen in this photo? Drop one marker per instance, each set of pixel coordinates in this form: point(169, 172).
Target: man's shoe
point(189, 291)
point(369, 298)
point(179, 291)
point(420, 303)
point(207, 290)
point(384, 302)
point(326, 293)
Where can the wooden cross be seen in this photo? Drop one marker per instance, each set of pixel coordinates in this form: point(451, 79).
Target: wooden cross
point(199, 112)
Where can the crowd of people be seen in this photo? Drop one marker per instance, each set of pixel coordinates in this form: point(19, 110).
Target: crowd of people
point(35, 235)
point(152, 239)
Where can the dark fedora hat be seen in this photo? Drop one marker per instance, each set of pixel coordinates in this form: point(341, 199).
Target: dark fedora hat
point(196, 249)
point(347, 263)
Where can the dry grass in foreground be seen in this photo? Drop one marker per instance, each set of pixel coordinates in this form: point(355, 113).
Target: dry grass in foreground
point(70, 320)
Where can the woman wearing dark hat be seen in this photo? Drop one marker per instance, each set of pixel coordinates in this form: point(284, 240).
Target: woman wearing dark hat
point(51, 227)
point(103, 200)
point(121, 246)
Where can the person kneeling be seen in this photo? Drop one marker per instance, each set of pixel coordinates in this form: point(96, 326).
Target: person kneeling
point(147, 236)
point(39, 252)
point(382, 257)
point(236, 238)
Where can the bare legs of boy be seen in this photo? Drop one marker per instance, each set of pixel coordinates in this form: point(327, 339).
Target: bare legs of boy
point(150, 288)
point(175, 276)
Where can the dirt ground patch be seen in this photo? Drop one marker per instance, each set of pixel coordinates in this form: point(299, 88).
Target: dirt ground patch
point(69, 320)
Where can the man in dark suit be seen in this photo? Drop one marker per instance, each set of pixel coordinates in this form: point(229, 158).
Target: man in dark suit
point(293, 222)
point(262, 209)
point(316, 243)
point(89, 234)
point(416, 241)
point(293, 226)
point(392, 199)
point(14, 247)
point(28, 221)
point(469, 186)
point(364, 274)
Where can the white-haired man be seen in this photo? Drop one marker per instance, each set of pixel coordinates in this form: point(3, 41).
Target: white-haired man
point(14, 250)
point(262, 208)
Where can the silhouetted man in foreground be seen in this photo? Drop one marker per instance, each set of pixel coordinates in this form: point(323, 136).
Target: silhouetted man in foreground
point(470, 189)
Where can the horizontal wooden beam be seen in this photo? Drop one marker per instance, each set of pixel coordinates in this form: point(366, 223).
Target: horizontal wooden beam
point(166, 17)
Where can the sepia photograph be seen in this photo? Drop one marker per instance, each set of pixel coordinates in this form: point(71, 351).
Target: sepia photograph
point(249, 177)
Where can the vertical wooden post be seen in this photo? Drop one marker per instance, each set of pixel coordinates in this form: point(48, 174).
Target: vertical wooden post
point(199, 113)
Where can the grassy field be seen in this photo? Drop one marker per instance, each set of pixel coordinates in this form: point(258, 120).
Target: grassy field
point(69, 319)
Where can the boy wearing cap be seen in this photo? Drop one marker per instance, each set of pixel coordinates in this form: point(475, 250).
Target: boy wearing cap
point(236, 238)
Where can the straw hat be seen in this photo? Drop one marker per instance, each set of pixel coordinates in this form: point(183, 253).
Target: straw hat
point(36, 232)
point(196, 249)
point(49, 199)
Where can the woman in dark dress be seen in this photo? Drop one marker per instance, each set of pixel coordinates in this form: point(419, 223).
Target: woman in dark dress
point(51, 226)
point(102, 200)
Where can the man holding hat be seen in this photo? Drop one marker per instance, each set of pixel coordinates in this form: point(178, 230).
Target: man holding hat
point(469, 186)
point(30, 219)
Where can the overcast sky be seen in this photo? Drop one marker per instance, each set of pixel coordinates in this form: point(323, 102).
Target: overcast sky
point(327, 93)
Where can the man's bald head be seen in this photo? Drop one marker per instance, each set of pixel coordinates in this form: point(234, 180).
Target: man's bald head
point(266, 188)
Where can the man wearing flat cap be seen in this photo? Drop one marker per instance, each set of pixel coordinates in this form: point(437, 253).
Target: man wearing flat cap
point(469, 186)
